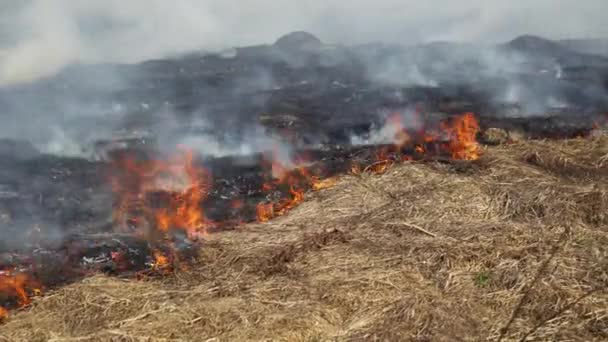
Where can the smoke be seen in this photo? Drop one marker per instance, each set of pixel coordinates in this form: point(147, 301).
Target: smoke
point(65, 115)
point(205, 140)
point(391, 131)
point(42, 36)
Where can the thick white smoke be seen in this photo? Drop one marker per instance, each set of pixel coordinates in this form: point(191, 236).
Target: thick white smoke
point(38, 37)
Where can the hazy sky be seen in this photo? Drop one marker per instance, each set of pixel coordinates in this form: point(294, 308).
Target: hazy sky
point(41, 36)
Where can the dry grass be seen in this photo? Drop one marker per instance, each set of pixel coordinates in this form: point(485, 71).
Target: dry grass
point(424, 252)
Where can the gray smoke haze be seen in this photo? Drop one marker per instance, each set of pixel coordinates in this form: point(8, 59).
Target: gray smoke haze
point(38, 37)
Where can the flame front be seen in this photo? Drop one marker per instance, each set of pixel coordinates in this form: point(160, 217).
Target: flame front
point(456, 137)
point(155, 197)
point(296, 180)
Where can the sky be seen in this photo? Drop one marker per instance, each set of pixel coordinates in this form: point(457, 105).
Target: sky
point(39, 37)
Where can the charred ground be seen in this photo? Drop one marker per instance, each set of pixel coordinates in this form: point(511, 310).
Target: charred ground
point(425, 251)
point(399, 249)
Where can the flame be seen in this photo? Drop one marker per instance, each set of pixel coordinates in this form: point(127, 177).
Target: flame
point(187, 184)
point(320, 184)
point(265, 212)
point(461, 132)
point(16, 285)
point(160, 260)
point(296, 178)
point(463, 138)
point(400, 137)
point(278, 170)
point(461, 144)
point(290, 203)
point(379, 167)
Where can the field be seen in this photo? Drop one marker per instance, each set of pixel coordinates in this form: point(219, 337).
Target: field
point(513, 246)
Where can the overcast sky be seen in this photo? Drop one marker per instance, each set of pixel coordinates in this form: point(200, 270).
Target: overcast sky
point(40, 36)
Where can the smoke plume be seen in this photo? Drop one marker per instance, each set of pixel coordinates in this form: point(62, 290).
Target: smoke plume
point(39, 37)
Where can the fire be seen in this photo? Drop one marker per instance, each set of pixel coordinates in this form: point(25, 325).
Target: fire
point(296, 179)
point(400, 137)
point(154, 197)
point(463, 138)
point(461, 132)
point(186, 184)
point(320, 184)
point(456, 137)
point(160, 260)
point(290, 203)
point(278, 170)
point(379, 167)
point(265, 212)
point(16, 286)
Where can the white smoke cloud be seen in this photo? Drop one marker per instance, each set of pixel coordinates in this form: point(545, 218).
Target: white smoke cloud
point(41, 36)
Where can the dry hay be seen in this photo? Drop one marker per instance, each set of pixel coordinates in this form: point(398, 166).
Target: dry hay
point(512, 246)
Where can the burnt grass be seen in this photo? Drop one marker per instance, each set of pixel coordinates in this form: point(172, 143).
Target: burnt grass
point(509, 247)
point(512, 247)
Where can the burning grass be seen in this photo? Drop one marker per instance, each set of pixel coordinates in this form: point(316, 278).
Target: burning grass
point(161, 201)
point(512, 246)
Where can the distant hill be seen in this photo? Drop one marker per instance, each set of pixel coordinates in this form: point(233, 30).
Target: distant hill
point(529, 43)
point(541, 48)
point(588, 46)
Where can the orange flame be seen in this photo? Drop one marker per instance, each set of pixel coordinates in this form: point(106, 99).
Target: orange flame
point(15, 285)
point(296, 179)
point(462, 144)
point(160, 260)
point(265, 212)
point(187, 183)
point(462, 131)
point(463, 138)
point(320, 184)
point(290, 203)
point(401, 138)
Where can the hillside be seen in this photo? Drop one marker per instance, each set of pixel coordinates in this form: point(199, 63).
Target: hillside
point(426, 252)
point(590, 46)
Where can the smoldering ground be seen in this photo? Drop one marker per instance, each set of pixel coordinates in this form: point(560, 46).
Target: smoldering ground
point(62, 89)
